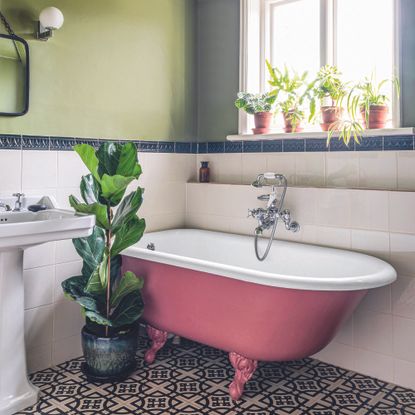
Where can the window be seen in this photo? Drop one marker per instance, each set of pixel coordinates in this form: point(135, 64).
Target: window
point(356, 35)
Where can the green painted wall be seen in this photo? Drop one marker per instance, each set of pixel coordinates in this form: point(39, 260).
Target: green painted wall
point(218, 68)
point(120, 68)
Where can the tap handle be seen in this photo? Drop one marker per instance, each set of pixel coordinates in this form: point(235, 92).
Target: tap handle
point(19, 195)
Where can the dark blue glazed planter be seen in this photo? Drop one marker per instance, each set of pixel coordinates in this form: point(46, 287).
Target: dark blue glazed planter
point(109, 359)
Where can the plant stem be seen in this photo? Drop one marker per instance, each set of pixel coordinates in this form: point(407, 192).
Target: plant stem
point(108, 245)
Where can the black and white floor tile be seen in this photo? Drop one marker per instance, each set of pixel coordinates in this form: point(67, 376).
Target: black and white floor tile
point(192, 379)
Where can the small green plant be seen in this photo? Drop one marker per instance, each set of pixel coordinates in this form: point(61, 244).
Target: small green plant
point(110, 301)
point(255, 103)
point(291, 90)
point(367, 93)
point(327, 85)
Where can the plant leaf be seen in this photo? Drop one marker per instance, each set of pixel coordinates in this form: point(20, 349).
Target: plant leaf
point(100, 211)
point(128, 163)
point(129, 283)
point(98, 318)
point(90, 189)
point(114, 187)
point(73, 287)
point(108, 155)
point(103, 270)
point(129, 234)
point(128, 208)
point(94, 285)
point(128, 311)
point(91, 250)
point(88, 156)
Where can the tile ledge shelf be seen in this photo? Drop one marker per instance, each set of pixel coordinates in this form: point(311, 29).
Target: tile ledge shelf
point(385, 132)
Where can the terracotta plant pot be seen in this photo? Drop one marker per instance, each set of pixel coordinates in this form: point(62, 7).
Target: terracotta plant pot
point(330, 116)
point(378, 115)
point(288, 123)
point(262, 122)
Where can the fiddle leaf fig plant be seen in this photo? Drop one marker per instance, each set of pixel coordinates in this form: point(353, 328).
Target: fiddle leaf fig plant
point(109, 300)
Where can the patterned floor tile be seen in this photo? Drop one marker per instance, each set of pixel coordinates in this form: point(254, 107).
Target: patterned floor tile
point(192, 379)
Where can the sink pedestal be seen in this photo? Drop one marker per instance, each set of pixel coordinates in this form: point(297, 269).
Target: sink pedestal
point(16, 392)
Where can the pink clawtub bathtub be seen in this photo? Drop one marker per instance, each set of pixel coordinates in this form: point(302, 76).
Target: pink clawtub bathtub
point(209, 287)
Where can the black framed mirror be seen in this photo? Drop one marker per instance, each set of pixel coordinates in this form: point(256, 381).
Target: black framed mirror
point(14, 76)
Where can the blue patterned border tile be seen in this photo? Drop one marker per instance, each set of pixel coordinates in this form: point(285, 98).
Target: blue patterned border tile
point(63, 143)
point(182, 148)
point(202, 148)
point(94, 142)
point(252, 146)
point(10, 142)
point(338, 145)
point(148, 146)
point(272, 146)
point(316, 145)
point(166, 147)
point(398, 143)
point(369, 144)
point(293, 145)
point(32, 142)
point(194, 147)
point(216, 147)
point(233, 147)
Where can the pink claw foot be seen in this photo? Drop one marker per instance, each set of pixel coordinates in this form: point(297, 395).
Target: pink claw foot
point(244, 369)
point(158, 338)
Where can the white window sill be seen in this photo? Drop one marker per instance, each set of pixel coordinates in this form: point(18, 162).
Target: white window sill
point(319, 134)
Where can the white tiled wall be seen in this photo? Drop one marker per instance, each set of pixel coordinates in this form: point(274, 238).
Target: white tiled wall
point(379, 339)
point(372, 169)
point(52, 323)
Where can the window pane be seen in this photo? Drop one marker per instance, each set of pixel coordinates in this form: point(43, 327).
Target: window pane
point(365, 39)
point(295, 34)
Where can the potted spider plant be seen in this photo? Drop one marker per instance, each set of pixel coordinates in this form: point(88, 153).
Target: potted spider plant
point(291, 89)
point(259, 105)
point(369, 98)
point(330, 90)
point(111, 302)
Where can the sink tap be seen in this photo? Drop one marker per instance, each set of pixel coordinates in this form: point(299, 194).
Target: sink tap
point(18, 204)
point(4, 207)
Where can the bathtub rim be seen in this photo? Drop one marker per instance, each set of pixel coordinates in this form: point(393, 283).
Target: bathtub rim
point(379, 279)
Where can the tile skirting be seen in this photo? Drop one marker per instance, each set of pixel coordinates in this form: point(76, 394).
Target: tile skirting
point(404, 142)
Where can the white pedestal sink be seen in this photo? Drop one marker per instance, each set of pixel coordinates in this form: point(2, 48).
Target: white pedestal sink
point(18, 231)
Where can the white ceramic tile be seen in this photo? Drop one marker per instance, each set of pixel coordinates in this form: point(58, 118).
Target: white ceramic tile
point(370, 210)
point(302, 202)
point(166, 221)
point(67, 320)
point(283, 163)
point(38, 326)
point(62, 272)
point(310, 169)
point(38, 286)
point(402, 212)
point(63, 194)
point(378, 300)
point(66, 349)
point(345, 334)
point(207, 222)
point(377, 170)
point(404, 338)
point(70, 169)
point(403, 253)
point(374, 364)
point(224, 168)
point(39, 358)
point(196, 198)
point(10, 172)
point(337, 354)
point(334, 207)
point(39, 170)
point(405, 373)
point(342, 169)
point(371, 242)
point(39, 256)
point(373, 331)
point(326, 236)
point(403, 297)
point(406, 170)
point(252, 165)
point(65, 252)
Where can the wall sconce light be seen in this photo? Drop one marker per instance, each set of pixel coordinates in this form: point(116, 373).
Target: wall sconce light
point(50, 19)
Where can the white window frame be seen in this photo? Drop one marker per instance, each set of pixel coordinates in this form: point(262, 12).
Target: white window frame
point(254, 48)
